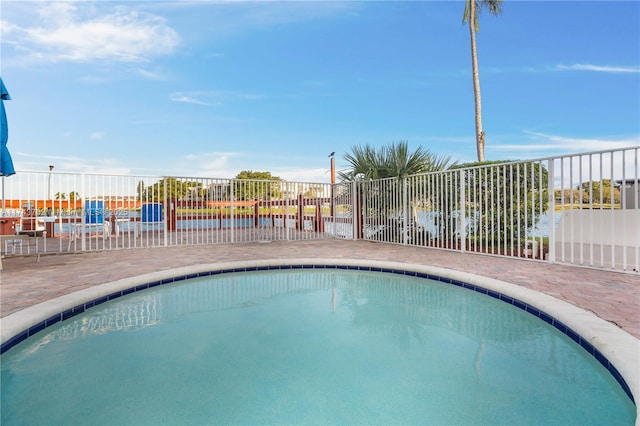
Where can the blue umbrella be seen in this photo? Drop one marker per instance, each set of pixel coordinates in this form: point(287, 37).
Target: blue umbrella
point(6, 164)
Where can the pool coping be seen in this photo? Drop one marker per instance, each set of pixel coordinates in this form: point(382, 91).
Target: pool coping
point(610, 343)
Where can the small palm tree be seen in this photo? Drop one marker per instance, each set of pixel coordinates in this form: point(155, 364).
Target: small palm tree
point(402, 163)
point(394, 160)
point(364, 163)
point(472, 9)
point(383, 174)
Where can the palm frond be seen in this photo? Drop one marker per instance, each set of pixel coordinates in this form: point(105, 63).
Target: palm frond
point(390, 161)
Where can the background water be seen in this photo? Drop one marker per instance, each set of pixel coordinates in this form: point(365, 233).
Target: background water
point(306, 347)
point(541, 227)
point(425, 219)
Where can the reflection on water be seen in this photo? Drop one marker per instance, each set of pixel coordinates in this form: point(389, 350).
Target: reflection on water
point(403, 308)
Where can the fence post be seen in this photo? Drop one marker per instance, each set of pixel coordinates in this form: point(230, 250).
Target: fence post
point(285, 217)
point(170, 213)
point(319, 222)
point(165, 221)
point(83, 205)
point(355, 208)
point(232, 211)
point(463, 212)
point(256, 214)
point(300, 221)
point(405, 219)
point(552, 211)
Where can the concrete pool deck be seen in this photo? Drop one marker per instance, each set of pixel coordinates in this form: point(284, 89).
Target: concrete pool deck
point(613, 297)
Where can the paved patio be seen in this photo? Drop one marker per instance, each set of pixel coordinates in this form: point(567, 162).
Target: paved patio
point(26, 281)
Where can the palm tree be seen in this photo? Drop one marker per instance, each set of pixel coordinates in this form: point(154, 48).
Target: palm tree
point(401, 163)
point(383, 174)
point(472, 9)
point(394, 160)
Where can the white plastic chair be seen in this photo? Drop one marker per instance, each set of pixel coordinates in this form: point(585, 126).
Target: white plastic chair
point(78, 229)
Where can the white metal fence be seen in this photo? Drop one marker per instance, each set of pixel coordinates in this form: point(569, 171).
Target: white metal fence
point(81, 212)
point(581, 209)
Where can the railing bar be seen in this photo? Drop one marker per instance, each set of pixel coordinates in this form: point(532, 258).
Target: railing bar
point(636, 206)
point(499, 214)
point(601, 209)
point(592, 211)
point(552, 210)
point(580, 205)
point(611, 208)
point(623, 207)
point(573, 216)
point(508, 209)
point(562, 211)
point(522, 200)
point(494, 202)
point(463, 236)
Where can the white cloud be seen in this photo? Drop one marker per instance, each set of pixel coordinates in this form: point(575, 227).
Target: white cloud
point(83, 31)
point(599, 68)
point(150, 75)
point(236, 16)
point(73, 31)
point(97, 135)
point(213, 160)
point(227, 164)
point(35, 162)
point(213, 164)
point(553, 144)
point(303, 175)
point(620, 69)
point(177, 97)
point(207, 164)
point(212, 97)
point(232, 18)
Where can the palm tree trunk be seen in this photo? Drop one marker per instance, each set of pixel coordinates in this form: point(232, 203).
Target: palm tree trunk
point(476, 81)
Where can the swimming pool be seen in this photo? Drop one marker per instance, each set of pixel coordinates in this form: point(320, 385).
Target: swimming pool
point(399, 379)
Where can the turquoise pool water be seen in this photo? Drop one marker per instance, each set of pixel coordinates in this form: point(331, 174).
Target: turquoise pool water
point(306, 347)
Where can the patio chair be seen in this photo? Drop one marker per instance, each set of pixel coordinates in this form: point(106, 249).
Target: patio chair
point(151, 216)
point(93, 222)
point(14, 243)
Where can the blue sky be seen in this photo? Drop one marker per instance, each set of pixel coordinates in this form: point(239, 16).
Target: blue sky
point(207, 89)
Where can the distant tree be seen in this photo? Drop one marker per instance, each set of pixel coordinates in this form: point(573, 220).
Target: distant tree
point(250, 174)
point(261, 186)
point(141, 190)
point(314, 191)
point(570, 196)
point(60, 196)
point(513, 195)
point(216, 191)
point(197, 193)
point(472, 9)
point(73, 195)
point(600, 191)
point(169, 187)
